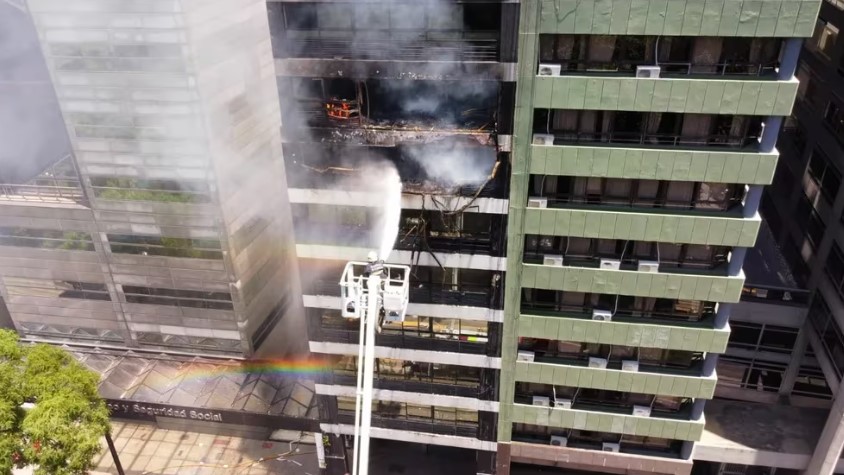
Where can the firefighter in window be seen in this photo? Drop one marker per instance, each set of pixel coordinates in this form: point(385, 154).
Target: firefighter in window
point(342, 109)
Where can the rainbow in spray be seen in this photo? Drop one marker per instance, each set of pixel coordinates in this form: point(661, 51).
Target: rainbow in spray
point(279, 367)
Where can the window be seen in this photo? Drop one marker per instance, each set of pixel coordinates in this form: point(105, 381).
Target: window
point(178, 298)
point(839, 4)
point(832, 340)
point(825, 37)
point(132, 189)
point(412, 412)
point(815, 228)
point(835, 269)
point(270, 321)
point(762, 337)
point(300, 16)
point(165, 246)
point(19, 286)
point(70, 332)
point(46, 239)
point(824, 175)
point(834, 118)
point(193, 342)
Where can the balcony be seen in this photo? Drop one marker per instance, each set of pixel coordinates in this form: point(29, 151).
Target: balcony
point(625, 330)
point(462, 429)
point(562, 372)
point(440, 294)
point(414, 386)
point(592, 418)
point(777, 18)
point(459, 344)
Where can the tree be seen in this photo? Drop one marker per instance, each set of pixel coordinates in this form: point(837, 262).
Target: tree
point(61, 434)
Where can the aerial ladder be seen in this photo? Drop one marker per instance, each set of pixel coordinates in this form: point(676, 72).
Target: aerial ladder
point(373, 293)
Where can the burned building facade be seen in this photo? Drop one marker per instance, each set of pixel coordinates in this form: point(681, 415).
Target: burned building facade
point(424, 90)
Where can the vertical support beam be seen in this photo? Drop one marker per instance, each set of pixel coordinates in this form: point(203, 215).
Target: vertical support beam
point(793, 368)
point(519, 176)
point(790, 54)
point(736, 261)
point(770, 133)
point(831, 442)
point(752, 198)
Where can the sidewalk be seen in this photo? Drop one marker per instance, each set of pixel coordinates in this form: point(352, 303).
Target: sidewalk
point(145, 449)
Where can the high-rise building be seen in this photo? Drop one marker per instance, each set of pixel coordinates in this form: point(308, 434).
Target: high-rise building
point(804, 209)
point(155, 215)
point(421, 91)
point(644, 135)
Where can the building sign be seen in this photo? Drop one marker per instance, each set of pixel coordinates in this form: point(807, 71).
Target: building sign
point(123, 409)
point(145, 411)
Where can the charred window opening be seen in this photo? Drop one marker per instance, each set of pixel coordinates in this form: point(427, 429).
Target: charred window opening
point(389, 31)
point(676, 55)
point(453, 165)
point(437, 231)
point(648, 128)
point(448, 105)
point(438, 285)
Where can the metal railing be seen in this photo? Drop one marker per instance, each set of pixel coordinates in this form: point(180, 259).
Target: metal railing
point(653, 139)
point(463, 429)
point(604, 200)
point(386, 49)
point(41, 193)
point(671, 68)
point(411, 383)
point(703, 318)
point(468, 295)
point(631, 263)
point(694, 368)
point(434, 343)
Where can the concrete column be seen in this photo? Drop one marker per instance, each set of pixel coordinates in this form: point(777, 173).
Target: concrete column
point(722, 314)
point(793, 368)
point(790, 54)
point(770, 133)
point(831, 441)
point(751, 200)
point(736, 261)
point(710, 361)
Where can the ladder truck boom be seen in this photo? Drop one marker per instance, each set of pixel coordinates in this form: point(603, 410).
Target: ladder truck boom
point(371, 292)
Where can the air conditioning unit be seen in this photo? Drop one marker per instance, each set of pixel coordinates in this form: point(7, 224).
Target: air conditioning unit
point(543, 139)
point(597, 362)
point(610, 447)
point(537, 202)
point(642, 411)
point(552, 260)
point(648, 266)
point(559, 441)
point(544, 401)
point(562, 403)
point(610, 264)
point(550, 69)
point(602, 315)
point(647, 71)
point(630, 365)
point(525, 356)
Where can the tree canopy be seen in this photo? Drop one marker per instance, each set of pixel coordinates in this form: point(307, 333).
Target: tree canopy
point(61, 434)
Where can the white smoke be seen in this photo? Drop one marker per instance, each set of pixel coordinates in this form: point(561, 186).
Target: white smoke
point(390, 212)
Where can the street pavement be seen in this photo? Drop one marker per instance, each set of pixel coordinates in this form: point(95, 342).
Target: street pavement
point(145, 449)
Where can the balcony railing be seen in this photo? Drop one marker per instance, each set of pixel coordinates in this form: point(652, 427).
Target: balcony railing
point(388, 50)
point(443, 294)
point(683, 413)
point(655, 140)
point(564, 199)
point(704, 319)
point(627, 448)
point(462, 429)
point(695, 367)
point(436, 343)
point(673, 68)
point(413, 384)
point(709, 267)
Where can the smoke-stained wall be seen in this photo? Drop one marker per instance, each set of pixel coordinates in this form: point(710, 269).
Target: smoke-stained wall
point(181, 96)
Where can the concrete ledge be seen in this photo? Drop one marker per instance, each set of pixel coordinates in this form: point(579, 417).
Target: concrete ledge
point(605, 462)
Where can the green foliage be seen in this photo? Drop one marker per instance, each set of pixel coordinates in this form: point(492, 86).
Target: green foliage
point(61, 435)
